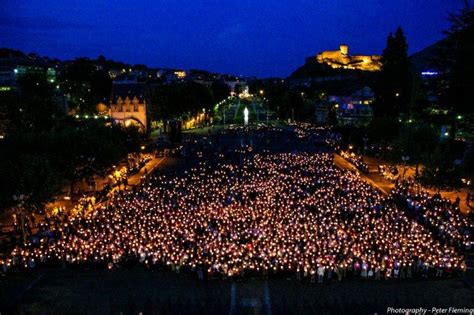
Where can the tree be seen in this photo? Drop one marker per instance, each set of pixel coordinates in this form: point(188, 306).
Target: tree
point(383, 129)
point(33, 107)
point(237, 89)
point(89, 149)
point(277, 94)
point(332, 116)
point(393, 87)
point(468, 165)
point(440, 170)
point(456, 57)
point(85, 84)
point(180, 99)
point(31, 175)
point(220, 91)
point(416, 142)
point(296, 105)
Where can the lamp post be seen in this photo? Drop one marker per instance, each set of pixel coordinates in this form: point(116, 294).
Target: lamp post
point(21, 200)
point(223, 110)
point(365, 139)
point(405, 159)
point(266, 103)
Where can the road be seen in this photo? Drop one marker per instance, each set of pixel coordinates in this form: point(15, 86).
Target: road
point(382, 185)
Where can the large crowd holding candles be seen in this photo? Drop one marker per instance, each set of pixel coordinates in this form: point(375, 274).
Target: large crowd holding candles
point(261, 214)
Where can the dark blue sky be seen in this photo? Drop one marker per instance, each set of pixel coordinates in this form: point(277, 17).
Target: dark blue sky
point(248, 37)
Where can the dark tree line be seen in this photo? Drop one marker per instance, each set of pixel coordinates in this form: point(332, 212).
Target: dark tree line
point(86, 83)
point(43, 150)
point(456, 60)
point(185, 99)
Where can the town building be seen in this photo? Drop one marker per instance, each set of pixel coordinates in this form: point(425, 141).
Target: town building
point(353, 106)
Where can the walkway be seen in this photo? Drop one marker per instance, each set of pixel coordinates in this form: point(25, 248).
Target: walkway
point(410, 171)
point(6, 221)
point(380, 183)
point(375, 179)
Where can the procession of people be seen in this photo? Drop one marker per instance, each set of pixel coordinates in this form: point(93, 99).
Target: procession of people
point(261, 214)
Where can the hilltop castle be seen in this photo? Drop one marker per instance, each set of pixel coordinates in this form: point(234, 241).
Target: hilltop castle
point(341, 59)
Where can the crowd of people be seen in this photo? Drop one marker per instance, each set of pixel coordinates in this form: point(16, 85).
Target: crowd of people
point(441, 216)
point(263, 213)
point(390, 173)
point(356, 160)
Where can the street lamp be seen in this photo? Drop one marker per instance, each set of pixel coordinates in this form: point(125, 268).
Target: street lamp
point(21, 200)
point(365, 139)
point(405, 159)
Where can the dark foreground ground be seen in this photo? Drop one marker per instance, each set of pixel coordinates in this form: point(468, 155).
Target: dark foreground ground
point(134, 291)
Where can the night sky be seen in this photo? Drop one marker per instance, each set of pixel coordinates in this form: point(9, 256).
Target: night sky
point(243, 37)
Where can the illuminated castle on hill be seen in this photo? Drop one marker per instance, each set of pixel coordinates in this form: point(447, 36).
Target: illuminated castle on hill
point(341, 59)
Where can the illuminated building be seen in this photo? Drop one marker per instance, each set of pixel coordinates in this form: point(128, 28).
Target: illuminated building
point(341, 59)
point(180, 74)
point(129, 111)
